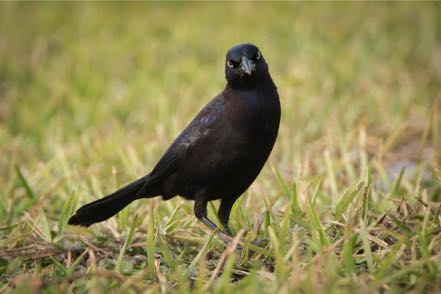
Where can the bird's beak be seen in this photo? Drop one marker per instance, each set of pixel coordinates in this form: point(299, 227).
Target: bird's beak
point(247, 65)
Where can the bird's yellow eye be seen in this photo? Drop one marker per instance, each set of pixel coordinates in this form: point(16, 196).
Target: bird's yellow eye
point(230, 64)
point(258, 55)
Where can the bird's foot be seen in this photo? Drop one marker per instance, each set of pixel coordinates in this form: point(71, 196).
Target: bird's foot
point(225, 238)
point(260, 243)
point(228, 240)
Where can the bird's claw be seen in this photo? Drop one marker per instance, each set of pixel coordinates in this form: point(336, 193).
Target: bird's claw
point(227, 239)
point(260, 243)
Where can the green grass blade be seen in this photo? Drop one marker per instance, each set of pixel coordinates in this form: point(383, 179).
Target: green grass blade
point(348, 259)
point(151, 237)
point(75, 264)
point(25, 184)
point(66, 212)
point(344, 202)
point(282, 183)
point(315, 224)
point(397, 183)
point(193, 266)
point(126, 244)
point(366, 245)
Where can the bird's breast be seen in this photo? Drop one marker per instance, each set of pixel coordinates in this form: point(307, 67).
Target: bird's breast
point(255, 115)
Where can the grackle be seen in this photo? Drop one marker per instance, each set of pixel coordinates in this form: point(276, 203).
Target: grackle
point(218, 155)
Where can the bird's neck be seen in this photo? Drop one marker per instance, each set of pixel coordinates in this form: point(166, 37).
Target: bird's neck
point(261, 95)
point(259, 83)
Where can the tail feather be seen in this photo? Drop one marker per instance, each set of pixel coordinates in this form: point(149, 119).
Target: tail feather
point(108, 206)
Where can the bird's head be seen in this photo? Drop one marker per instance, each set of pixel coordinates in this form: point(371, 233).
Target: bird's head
point(245, 65)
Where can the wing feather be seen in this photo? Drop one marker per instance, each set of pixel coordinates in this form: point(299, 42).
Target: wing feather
point(197, 131)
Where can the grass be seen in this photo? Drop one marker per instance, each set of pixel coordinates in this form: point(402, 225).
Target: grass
point(92, 94)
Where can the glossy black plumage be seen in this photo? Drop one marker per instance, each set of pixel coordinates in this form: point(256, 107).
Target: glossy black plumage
point(219, 154)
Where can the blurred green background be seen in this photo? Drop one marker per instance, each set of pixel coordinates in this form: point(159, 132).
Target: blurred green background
point(69, 70)
point(91, 94)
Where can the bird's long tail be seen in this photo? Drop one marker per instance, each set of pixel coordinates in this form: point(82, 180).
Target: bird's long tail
point(108, 206)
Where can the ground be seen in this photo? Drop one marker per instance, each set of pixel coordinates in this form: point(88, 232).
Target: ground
point(92, 94)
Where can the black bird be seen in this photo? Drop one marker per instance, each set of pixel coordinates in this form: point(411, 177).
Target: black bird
point(218, 155)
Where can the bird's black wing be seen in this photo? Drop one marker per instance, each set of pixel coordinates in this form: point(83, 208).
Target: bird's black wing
point(197, 131)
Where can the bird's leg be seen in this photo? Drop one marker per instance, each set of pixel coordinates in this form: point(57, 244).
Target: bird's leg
point(200, 211)
point(224, 214)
